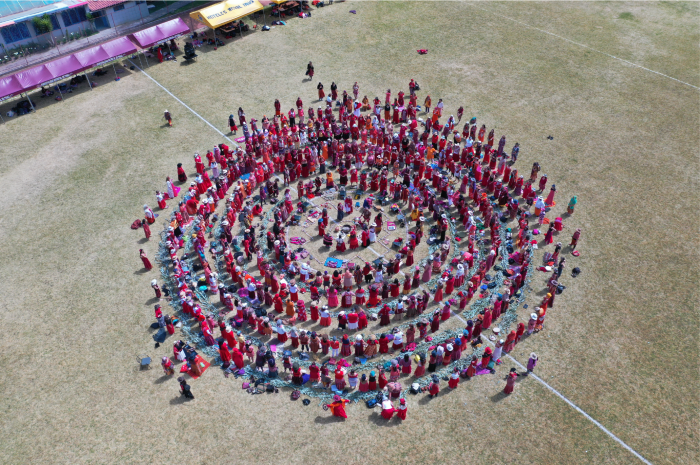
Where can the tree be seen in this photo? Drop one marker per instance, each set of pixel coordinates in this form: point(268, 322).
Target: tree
point(42, 24)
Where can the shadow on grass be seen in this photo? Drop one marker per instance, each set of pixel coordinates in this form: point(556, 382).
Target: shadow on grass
point(162, 379)
point(141, 271)
point(179, 400)
point(499, 396)
point(328, 419)
point(143, 240)
point(379, 420)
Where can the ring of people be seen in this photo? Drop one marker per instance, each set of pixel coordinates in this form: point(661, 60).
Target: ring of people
point(355, 252)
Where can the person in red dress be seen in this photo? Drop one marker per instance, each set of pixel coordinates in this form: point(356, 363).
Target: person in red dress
point(145, 260)
point(360, 296)
point(407, 284)
point(471, 371)
point(337, 407)
point(486, 358)
point(510, 381)
point(403, 409)
point(156, 288)
point(394, 288)
point(384, 315)
point(434, 386)
point(388, 409)
point(383, 344)
point(181, 175)
point(382, 379)
point(225, 355)
point(362, 322)
point(435, 322)
point(454, 378)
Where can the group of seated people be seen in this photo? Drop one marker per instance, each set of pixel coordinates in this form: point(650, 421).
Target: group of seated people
point(234, 28)
point(66, 86)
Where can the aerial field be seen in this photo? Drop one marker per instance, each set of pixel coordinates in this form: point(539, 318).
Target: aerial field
point(616, 85)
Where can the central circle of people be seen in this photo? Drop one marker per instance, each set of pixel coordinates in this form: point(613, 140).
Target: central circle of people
point(411, 164)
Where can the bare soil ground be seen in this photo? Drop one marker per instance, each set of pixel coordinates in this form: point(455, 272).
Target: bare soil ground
point(621, 342)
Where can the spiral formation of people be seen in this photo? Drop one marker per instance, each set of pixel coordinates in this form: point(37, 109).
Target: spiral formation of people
point(356, 251)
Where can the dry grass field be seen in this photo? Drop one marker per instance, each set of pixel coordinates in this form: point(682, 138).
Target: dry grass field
point(621, 343)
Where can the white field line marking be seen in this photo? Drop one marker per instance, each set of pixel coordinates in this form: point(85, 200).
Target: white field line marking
point(574, 406)
point(374, 251)
point(183, 104)
point(586, 46)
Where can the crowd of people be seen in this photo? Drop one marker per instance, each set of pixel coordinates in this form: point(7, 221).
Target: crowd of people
point(441, 177)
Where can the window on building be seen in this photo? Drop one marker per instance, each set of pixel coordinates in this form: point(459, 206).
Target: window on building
point(15, 33)
point(73, 16)
point(118, 7)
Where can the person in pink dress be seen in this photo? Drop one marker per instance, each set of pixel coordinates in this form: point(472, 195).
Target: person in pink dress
point(332, 297)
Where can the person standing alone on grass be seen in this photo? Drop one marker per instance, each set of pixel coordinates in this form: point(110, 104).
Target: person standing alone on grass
point(168, 118)
point(531, 363)
point(185, 388)
point(310, 70)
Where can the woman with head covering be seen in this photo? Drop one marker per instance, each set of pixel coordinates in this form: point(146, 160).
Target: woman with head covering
point(432, 362)
point(397, 343)
point(486, 358)
point(185, 388)
point(370, 350)
point(394, 372)
point(281, 332)
point(167, 365)
point(531, 363)
point(434, 386)
point(454, 378)
point(337, 407)
point(297, 374)
point(447, 356)
point(510, 381)
point(225, 355)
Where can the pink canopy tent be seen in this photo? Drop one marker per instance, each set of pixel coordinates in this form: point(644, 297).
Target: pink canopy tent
point(161, 32)
point(9, 86)
point(66, 66)
point(33, 77)
point(118, 48)
point(63, 68)
point(91, 56)
point(100, 54)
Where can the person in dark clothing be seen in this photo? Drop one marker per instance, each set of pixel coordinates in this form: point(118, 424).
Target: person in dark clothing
point(185, 388)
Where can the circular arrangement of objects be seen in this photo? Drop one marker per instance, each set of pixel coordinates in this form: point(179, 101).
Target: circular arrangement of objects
point(357, 251)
